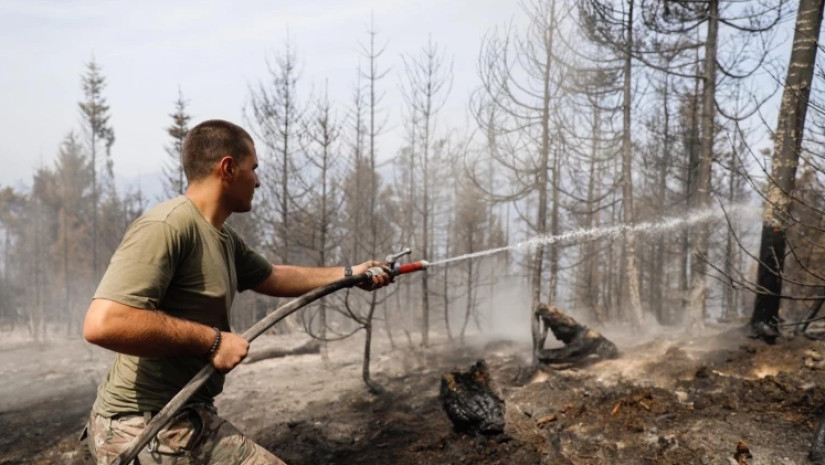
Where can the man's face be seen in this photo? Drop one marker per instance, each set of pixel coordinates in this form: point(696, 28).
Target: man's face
point(244, 182)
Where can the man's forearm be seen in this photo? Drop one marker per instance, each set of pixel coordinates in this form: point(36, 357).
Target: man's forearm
point(293, 281)
point(145, 333)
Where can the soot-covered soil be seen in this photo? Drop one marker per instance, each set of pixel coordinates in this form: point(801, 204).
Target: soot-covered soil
point(670, 400)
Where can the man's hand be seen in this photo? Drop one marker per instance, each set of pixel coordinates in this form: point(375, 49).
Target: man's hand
point(378, 279)
point(231, 351)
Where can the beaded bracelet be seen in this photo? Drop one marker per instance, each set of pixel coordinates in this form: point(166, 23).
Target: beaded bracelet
point(216, 343)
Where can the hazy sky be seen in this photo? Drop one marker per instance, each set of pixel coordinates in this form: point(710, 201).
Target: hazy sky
point(213, 50)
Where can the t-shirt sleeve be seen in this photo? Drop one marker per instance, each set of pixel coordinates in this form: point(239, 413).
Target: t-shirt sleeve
point(251, 268)
point(142, 266)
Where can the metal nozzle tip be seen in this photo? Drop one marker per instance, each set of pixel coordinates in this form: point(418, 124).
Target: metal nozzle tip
point(425, 264)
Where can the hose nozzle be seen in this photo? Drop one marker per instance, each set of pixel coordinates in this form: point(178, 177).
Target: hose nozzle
point(396, 269)
point(410, 267)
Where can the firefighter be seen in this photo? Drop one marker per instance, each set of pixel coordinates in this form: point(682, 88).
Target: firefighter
point(163, 305)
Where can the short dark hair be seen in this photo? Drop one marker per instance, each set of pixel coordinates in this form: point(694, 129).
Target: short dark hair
point(208, 142)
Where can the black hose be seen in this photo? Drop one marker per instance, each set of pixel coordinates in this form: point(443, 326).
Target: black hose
point(165, 415)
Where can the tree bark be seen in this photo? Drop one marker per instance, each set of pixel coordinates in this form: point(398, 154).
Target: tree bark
point(789, 131)
point(637, 316)
point(589, 289)
point(544, 166)
point(692, 147)
point(698, 285)
point(730, 292)
point(373, 77)
point(658, 282)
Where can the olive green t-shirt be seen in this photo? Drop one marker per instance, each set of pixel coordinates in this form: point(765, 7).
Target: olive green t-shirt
point(172, 260)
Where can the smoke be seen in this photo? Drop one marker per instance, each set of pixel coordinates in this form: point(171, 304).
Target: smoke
point(508, 312)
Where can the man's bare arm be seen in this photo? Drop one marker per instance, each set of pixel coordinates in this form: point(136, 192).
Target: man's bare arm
point(293, 281)
point(150, 333)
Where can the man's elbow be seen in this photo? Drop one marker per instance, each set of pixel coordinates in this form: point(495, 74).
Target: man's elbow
point(96, 325)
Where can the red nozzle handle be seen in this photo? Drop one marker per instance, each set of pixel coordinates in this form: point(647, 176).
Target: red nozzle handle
point(410, 267)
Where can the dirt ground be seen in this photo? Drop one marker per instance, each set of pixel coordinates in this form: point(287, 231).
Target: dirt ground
point(669, 400)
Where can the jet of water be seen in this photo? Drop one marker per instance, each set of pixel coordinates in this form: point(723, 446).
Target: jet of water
point(583, 235)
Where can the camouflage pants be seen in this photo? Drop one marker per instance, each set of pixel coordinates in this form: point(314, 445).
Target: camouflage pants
point(196, 436)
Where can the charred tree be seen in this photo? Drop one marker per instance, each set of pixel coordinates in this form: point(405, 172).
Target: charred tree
point(706, 41)
point(521, 77)
point(789, 131)
point(612, 25)
point(276, 117)
point(428, 78)
point(698, 280)
point(321, 131)
point(373, 76)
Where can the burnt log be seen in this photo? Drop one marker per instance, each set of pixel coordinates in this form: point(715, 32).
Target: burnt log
point(581, 344)
point(469, 399)
point(310, 347)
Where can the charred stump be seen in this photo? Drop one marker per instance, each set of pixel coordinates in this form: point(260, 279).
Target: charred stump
point(470, 402)
point(581, 345)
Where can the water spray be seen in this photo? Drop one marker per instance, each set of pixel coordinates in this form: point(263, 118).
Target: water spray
point(583, 235)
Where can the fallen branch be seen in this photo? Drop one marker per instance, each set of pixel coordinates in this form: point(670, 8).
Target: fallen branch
point(310, 347)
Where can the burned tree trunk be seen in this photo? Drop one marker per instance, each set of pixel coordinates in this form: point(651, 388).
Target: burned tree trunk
point(470, 402)
point(790, 128)
point(581, 345)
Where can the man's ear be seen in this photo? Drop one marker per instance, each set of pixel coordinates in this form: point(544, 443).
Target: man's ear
point(227, 168)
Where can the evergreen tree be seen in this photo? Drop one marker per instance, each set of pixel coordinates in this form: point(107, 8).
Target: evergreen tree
point(99, 135)
point(174, 181)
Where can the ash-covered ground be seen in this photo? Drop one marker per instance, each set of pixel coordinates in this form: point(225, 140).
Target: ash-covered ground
point(671, 399)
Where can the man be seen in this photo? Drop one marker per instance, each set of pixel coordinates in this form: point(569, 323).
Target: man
point(163, 305)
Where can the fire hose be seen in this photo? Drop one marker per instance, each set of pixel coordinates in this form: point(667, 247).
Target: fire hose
point(178, 402)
